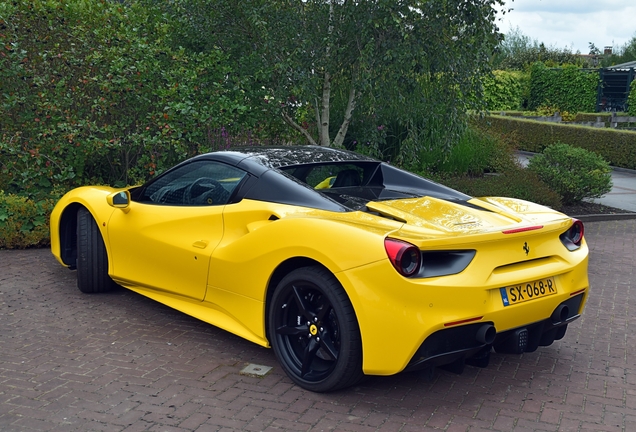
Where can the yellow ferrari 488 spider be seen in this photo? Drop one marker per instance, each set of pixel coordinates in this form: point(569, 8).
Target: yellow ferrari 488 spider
point(344, 265)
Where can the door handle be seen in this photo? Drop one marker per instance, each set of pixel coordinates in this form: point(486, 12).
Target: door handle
point(201, 244)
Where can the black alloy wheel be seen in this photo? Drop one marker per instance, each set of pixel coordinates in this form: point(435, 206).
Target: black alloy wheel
point(314, 331)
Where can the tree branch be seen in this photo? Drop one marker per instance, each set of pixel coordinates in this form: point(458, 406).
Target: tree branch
point(298, 127)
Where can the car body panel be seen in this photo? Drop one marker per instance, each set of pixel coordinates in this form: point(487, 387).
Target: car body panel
point(255, 246)
point(148, 242)
point(256, 243)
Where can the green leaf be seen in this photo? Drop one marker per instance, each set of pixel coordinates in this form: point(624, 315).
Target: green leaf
point(39, 220)
point(26, 227)
point(44, 182)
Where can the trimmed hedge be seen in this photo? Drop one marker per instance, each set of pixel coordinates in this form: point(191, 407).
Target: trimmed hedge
point(616, 147)
point(579, 117)
point(570, 88)
point(592, 116)
point(505, 90)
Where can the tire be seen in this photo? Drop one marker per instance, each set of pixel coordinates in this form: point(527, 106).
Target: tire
point(92, 259)
point(314, 331)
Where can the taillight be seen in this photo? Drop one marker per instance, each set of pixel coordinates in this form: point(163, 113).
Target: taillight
point(405, 257)
point(573, 237)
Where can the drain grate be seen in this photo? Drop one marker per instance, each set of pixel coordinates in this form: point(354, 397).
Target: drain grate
point(255, 370)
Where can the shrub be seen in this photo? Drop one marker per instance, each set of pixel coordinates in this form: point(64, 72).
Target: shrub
point(492, 153)
point(572, 172)
point(24, 222)
point(475, 153)
point(513, 183)
point(91, 93)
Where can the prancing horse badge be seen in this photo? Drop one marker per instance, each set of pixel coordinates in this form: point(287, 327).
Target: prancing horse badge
point(526, 248)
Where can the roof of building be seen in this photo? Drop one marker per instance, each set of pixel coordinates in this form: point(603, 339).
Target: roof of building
point(623, 66)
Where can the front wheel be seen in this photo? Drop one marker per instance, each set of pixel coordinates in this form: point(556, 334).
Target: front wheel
point(92, 259)
point(314, 331)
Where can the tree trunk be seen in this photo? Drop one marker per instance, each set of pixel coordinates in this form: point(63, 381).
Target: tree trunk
point(342, 132)
point(323, 126)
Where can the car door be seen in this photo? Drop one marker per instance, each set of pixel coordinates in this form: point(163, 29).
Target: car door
point(164, 239)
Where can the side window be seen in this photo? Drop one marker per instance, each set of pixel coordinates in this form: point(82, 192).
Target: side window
point(199, 183)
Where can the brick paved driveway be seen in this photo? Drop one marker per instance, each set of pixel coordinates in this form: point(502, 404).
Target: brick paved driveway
point(121, 362)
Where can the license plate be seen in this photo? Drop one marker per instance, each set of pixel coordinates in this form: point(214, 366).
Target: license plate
point(528, 291)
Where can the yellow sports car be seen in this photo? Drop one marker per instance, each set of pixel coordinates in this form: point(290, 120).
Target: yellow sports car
point(377, 271)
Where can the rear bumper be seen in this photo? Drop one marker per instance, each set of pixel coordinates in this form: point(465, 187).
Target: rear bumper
point(401, 316)
point(459, 344)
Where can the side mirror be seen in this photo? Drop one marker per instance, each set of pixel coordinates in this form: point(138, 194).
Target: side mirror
point(119, 199)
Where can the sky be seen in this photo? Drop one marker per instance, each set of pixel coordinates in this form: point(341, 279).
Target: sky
point(572, 23)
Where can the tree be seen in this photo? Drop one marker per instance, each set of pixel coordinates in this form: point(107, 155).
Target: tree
point(621, 54)
point(594, 49)
point(315, 61)
point(628, 51)
point(517, 51)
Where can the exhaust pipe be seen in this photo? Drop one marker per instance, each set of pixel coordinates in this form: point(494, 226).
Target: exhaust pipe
point(486, 334)
point(560, 314)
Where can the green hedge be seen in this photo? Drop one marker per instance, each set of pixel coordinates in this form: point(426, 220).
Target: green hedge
point(567, 89)
point(631, 100)
point(616, 147)
point(570, 88)
point(505, 90)
point(515, 113)
point(592, 116)
point(580, 117)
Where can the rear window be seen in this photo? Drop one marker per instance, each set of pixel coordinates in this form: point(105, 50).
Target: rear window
point(334, 175)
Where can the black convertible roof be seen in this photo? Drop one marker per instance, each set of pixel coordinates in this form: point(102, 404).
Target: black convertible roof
point(284, 156)
point(274, 178)
point(276, 157)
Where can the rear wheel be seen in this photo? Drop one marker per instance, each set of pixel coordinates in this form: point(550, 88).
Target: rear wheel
point(314, 331)
point(92, 259)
